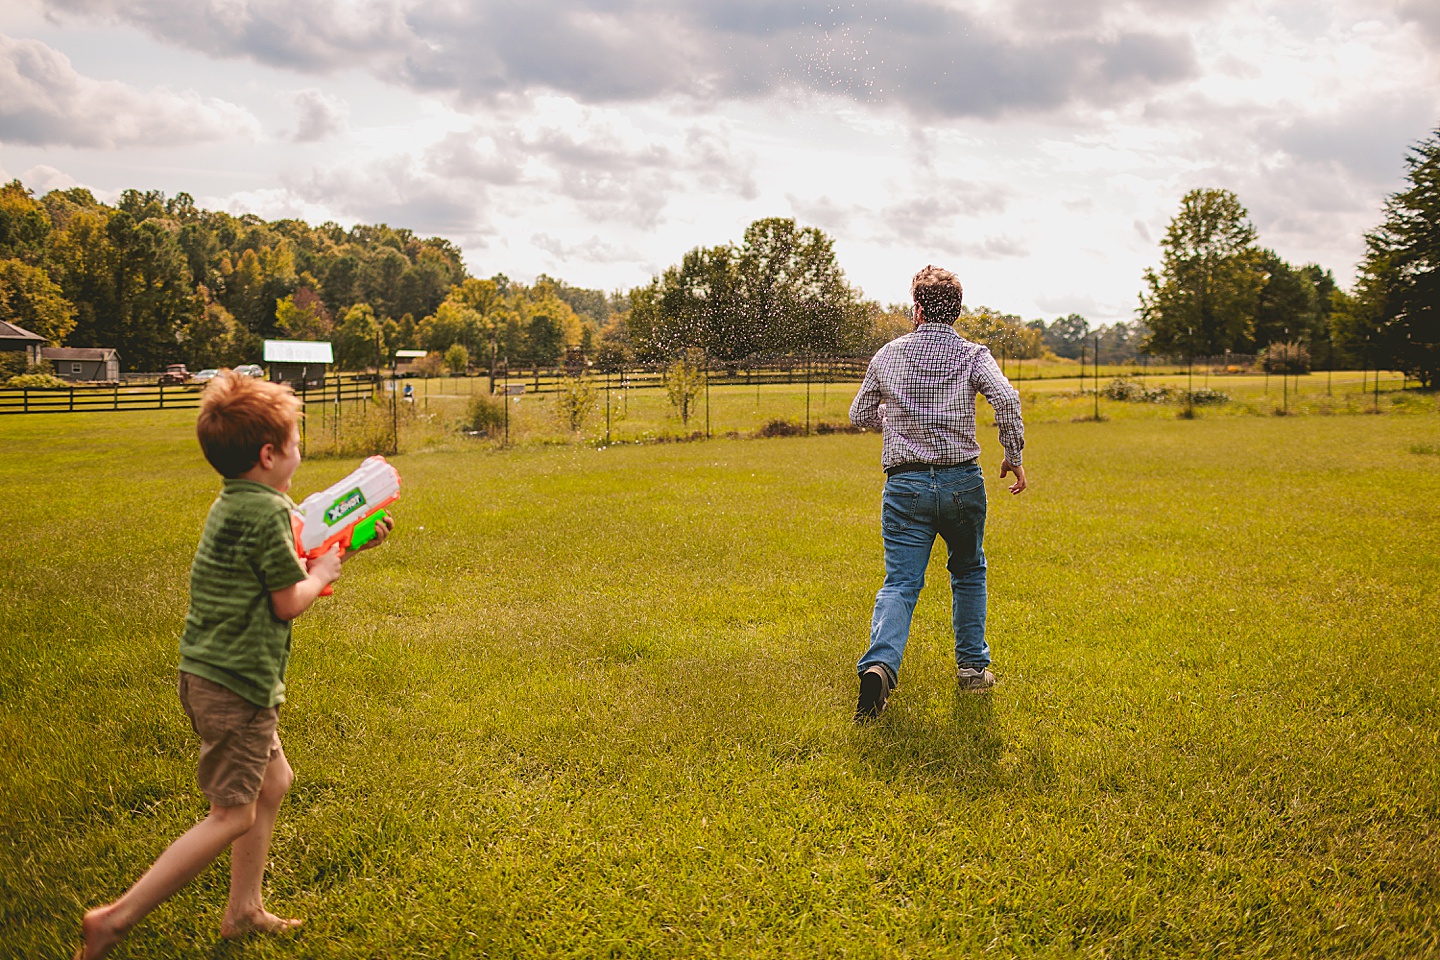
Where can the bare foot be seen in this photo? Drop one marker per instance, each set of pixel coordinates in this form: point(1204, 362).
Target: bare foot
point(261, 921)
point(100, 933)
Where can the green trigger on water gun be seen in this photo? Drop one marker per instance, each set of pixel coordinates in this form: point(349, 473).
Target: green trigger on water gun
point(364, 531)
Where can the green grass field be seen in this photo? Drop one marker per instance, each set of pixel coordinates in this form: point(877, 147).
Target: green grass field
point(596, 702)
point(432, 421)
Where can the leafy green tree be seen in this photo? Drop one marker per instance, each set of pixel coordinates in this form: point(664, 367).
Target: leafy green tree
point(574, 401)
point(452, 322)
point(154, 294)
point(359, 339)
point(780, 291)
point(683, 382)
point(84, 263)
point(1120, 342)
point(1203, 299)
point(24, 225)
point(303, 316)
point(29, 299)
point(544, 340)
point(1065, 335)
point(794, 295)
point(1286, 305)
point(1004, 333)
point(457, 358)
point(885, 324)
point(217, 339)
point(614, 347)
point(696, 305)
point(1398, 287)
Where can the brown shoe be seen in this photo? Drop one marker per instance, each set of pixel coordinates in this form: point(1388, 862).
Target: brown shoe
point(972, 680)
point(875, 689)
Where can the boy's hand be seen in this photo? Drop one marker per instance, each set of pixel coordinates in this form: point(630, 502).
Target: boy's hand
point(383, 526)
point(326, 567)
point(1007, 467)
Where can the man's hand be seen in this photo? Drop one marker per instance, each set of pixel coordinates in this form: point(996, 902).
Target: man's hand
point(1006, 467)
point(382, 530)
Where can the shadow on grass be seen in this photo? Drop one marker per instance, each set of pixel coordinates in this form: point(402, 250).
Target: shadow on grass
point(959, 749)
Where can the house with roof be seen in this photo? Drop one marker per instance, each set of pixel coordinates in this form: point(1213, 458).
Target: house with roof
point(298, 361)
point(13, 338)
point(81, 364)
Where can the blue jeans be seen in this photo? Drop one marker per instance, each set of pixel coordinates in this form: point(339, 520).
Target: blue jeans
point(950, 502)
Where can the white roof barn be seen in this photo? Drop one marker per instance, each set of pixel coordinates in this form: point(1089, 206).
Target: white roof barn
point(298, 351)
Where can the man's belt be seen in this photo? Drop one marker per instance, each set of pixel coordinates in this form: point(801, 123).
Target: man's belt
point(916, 466)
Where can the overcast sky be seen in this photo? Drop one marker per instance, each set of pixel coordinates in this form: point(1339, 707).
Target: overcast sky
point(1037, 147)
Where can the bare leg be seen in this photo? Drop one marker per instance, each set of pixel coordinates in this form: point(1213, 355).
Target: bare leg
point(181, 862)
point(246, 913)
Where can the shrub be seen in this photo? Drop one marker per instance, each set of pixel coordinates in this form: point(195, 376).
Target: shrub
point(573, 402)
point(429, 365)
point(1133, 390)
point(1206, 397)
point(486, 415)
point(457, 358)
point(1286, 358)
point(36, 381)
point(781, 428)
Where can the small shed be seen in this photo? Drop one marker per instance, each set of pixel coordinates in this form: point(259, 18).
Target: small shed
point(83, 363)
point(405, 361)
point(18, 338)
point(298, 361)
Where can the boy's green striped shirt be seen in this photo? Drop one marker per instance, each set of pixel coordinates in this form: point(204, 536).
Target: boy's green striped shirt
point(231, 634)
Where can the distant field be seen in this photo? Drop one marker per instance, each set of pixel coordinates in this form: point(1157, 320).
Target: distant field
point(596, 702)
point(432, 420)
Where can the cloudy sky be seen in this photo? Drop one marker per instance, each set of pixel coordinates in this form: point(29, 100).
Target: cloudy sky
point(1037, 147)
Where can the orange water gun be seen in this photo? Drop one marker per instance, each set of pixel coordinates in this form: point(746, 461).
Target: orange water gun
point(346, 512)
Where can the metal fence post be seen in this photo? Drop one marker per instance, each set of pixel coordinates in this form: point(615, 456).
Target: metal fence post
point(807, 396)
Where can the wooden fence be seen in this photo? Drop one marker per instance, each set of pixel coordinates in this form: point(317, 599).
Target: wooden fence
point(112, 398)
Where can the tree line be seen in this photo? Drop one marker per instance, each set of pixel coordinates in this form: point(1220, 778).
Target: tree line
point(162, 280)
point(1218, 290)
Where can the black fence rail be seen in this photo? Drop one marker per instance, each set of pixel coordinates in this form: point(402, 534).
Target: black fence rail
point(83, 398)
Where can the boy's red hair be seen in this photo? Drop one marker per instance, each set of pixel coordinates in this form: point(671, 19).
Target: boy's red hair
point(239, 415)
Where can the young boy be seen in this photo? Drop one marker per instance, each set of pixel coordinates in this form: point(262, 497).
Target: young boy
point(246, 584)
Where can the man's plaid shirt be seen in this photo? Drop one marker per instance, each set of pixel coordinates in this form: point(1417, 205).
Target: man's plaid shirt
point(921, 389)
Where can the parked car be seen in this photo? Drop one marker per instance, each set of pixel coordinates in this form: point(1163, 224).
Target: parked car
point(251, 370)
point(206, 375)
point(175, 373)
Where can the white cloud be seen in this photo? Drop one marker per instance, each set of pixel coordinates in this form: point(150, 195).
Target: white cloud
point(933, 58)
point(45, 102)
point(320, 116)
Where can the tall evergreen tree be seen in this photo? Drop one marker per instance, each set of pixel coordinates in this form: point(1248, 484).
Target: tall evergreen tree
point(1399, 279)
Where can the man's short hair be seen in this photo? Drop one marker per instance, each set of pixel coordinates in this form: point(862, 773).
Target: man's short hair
point(939, 294)
point(239, 415)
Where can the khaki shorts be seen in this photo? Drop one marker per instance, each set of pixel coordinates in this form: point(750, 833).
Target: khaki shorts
point(237, 740)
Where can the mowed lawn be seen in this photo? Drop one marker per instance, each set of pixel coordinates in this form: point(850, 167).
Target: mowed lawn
point(597, 702)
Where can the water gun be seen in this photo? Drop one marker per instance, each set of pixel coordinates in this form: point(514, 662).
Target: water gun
point(346, 512)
